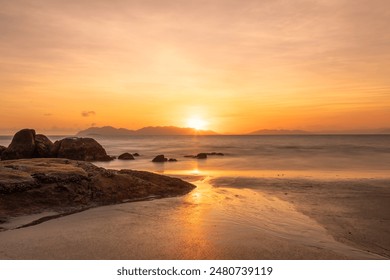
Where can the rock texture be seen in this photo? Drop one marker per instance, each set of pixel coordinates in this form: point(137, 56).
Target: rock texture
point(126, 156)
point(87, 149)
point(43, 146)
point(29, 186)
point(2, 149)
point(22, 145)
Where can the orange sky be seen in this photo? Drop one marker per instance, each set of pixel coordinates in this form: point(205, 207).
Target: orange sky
point(237, 65)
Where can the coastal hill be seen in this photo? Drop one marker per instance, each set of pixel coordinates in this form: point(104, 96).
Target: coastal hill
point(150, 130)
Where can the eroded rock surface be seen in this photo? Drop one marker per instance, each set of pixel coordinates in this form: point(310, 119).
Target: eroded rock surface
point(29, 186)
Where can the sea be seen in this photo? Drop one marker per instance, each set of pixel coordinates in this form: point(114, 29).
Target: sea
point(250, 155)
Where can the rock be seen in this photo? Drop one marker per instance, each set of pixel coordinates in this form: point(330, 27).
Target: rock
point(136, 154)
point(30, 186)
point(172, 159)
point(22, 145)
point(75, 148)
point(126, 156)
point(43, 146)
point(201, 156)
point(204, 155)
point(160, 158)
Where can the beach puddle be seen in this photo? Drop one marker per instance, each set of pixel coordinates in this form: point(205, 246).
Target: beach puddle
point(208, 223)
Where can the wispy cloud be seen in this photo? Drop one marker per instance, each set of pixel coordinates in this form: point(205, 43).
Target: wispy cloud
point(88, 113)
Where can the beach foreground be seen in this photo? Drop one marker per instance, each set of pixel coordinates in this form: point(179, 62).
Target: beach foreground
point(223, 218)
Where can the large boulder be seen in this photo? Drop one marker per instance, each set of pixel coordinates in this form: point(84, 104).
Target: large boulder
point(126, 156)
point(22, 145)
point(43, 146)
point(86, 149)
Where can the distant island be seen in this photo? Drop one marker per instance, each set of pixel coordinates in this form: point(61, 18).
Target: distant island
point(278, 132)
point(150, 130)
point(304, 132)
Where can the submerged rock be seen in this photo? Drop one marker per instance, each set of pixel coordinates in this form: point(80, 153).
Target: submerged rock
point(215, 154)
point(22, 145)
point(160, 158)
point(36, 185)
point(204, 155)
point(86, 149)
point(126, 156)
point(201, 156)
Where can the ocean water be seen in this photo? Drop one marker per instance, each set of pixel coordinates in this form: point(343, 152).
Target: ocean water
point(243, 155)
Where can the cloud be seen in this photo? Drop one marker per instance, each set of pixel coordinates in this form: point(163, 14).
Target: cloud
point(88, 113)
point(48, 115)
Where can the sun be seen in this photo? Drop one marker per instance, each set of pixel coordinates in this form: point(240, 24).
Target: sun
point(196, 123)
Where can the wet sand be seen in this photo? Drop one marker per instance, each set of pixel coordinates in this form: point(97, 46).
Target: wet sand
point(221, 222)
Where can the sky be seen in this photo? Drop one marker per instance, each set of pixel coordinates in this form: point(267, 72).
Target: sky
point(233, 66)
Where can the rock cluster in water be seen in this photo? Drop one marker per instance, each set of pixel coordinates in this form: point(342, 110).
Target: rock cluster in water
point(162, 158)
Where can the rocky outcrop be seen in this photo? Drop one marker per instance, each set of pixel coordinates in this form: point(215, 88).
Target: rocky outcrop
point(136, 154)
point(87, 149)
point(160, 158)
point(29, 186)
point(126, 156)
point(22, 145)
point(43, 147)
point(27, 144)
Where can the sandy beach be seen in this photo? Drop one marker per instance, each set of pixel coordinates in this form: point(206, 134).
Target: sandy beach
point(223, 218)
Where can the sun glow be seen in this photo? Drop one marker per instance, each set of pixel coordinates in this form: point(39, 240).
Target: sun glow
point(196, 123)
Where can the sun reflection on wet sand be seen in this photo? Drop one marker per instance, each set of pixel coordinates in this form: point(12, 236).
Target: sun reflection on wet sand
point(208, 223)
point(227, 223)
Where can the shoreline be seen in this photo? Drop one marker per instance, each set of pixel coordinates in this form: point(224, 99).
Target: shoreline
point(291, 225)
